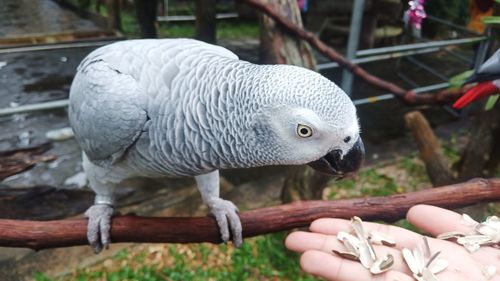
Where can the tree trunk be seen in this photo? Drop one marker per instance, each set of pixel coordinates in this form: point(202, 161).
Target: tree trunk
point(493, 164)
point(479, 150)
point(430, 149)
point(205, 20)
point(276, 45)
point(146, 15)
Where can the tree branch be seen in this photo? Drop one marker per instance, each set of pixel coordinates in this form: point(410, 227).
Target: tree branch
point(63, 233)
point(409, 97)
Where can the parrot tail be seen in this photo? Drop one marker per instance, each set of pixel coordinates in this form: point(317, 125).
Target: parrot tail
point(480, 90)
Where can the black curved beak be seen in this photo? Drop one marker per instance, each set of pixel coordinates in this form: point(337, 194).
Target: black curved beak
point(334, 164)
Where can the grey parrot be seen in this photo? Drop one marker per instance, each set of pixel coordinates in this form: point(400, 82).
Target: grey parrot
point(181, 107)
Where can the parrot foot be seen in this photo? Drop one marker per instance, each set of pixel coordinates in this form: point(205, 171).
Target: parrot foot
point(99, 226)
point(226, 215)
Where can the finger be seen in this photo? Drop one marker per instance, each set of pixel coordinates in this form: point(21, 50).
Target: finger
point(335, 268)
point(488, 256)
point(495, 277)
point(402, 237)
point(301, 241)
point(457, 275)
point(435, 220)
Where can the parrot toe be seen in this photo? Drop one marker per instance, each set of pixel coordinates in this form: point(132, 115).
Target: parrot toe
point(98, 227)
point(226, 215)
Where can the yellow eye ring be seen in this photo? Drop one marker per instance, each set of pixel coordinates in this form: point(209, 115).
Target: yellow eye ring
point(304, 131)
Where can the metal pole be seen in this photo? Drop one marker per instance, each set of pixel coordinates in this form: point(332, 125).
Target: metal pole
point(389, 96)
point(450, 24)
point(352, 44)
point(482, 51)
point(34, 107)
point(373, 58)
point(415, 46)
point(55, 46)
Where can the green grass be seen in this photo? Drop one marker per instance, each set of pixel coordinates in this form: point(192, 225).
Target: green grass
point(237, 30)
point(261, 258)
point(368, 182)
point(232, 29)
point(415, 169)
point(382, 180)
point(407, 225)
point(385, 186)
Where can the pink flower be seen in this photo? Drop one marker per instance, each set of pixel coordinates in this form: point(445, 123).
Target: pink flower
point(416, 13)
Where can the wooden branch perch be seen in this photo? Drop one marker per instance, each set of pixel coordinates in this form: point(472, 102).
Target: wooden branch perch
point(409, 97)
point(63, 233)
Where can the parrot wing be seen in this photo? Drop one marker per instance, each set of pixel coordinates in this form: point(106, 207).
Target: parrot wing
point(107, 111)
point(480, 90)
point(116, 85)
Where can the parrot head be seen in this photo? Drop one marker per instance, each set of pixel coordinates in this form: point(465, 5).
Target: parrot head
point(310, 120)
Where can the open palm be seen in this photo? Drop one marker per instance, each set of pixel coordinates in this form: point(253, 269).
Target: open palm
point(317, 258)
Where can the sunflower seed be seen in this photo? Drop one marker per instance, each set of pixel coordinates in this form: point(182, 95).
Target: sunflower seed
point(422, 265)
point(438, 265)
point(450, 235)
point(410, 261)
point(346, 255)
point(367, 254)
point(382, 265)
point(379, 239)
point(489, 272)
point(468, 221)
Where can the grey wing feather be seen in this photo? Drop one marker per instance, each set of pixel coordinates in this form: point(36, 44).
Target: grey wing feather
point(107, 111)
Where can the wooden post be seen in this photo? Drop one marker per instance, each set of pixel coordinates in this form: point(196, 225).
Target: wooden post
point(146, 15)
point(429, 148)
point(114, 18)
point(205, 20)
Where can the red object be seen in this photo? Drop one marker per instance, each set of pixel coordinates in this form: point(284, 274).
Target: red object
point(482, 89)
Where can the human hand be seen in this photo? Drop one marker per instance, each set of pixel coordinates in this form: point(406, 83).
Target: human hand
point(316, 247)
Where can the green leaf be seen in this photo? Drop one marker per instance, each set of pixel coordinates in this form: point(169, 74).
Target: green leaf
point(491, 20)
point(498, 1)
point(491, 102)
point(459, 79)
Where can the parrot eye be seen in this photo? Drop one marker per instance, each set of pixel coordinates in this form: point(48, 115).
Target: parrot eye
point(304, 131)
point(347, 139)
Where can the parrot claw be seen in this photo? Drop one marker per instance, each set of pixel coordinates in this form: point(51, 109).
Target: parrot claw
point(99, 226)
point(226, 215)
